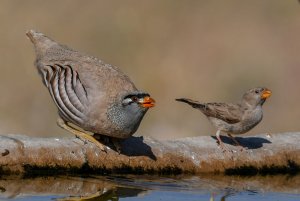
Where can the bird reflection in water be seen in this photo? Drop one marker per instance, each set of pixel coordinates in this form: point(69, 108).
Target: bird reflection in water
point(227, 193)
point(112, 195)
point(103, 196)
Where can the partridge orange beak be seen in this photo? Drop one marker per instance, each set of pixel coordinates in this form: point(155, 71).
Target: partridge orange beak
point(266, 94)
point(147, 102)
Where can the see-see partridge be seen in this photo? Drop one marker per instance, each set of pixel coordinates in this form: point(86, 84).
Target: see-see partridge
point(234, 118)
point(95, 96)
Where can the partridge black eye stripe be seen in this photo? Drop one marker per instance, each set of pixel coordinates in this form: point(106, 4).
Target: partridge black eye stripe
point(138, 95)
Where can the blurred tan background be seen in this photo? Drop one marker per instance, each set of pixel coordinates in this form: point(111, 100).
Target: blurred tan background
point(204, 50)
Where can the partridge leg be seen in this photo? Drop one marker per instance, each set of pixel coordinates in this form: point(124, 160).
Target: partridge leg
point(118, 144)
point(83, 136)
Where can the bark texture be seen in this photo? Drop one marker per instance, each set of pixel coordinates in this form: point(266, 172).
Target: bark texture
point(266, 154)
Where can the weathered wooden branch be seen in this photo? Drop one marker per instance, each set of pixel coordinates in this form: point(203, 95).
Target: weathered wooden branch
point(270, 154)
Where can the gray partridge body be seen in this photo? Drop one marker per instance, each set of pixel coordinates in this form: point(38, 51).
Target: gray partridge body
point(89, 93)
point(232, 118)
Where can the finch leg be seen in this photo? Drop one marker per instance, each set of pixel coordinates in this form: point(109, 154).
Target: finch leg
point(221, 144)
point(80, 134)
point(235, 141)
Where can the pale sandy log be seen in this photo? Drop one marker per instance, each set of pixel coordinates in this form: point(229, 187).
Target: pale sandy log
point(275, 153)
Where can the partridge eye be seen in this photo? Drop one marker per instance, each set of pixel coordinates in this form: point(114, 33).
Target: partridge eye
point(257, 91)
point(134, 99)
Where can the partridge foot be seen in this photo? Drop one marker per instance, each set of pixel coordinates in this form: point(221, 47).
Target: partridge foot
point(80, 134)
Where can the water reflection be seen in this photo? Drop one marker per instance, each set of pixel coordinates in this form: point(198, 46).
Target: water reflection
point(111, 194)
point(104, 188)
point(223, 195)
point(67, 188)
point(103, 196)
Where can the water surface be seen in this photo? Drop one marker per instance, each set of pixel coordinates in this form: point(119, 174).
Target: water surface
point(129, 187)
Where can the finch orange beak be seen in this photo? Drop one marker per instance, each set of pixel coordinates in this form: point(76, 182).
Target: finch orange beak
point(147, 102)
point(266, 94)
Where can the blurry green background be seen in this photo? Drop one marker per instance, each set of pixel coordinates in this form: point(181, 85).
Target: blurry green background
point(204, 50)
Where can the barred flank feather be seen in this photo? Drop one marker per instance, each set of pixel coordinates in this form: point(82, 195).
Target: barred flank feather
point(66, 90)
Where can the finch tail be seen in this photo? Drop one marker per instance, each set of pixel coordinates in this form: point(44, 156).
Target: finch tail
point(194, 104)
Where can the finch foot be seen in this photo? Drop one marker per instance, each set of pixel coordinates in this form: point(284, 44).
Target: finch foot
point(237, 142)
point(220, 143)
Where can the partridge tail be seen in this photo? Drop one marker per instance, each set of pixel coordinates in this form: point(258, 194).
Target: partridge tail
point(41, 42)
point(194, 104)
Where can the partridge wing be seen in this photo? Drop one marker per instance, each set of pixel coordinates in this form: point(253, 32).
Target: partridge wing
point(66, 90)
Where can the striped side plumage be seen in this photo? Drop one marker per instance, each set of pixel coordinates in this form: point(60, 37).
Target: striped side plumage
point(66, 90)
